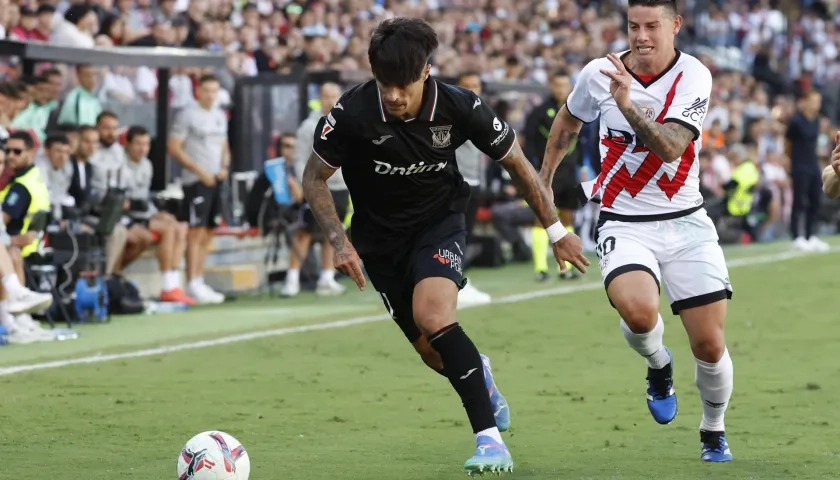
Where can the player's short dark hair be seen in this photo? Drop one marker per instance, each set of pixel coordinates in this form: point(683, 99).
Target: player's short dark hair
point(23, 136)
point(106, 114)
point(399, 50)
point(135, 131)
point(56, 138)
point(668, 5)
point(207, 77)
point(87, 128)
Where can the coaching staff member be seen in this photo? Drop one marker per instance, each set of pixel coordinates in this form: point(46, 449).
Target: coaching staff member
point(394, 139)
point(199, 142)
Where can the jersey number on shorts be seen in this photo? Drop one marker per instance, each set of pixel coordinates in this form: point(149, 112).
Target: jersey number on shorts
point(605, 248)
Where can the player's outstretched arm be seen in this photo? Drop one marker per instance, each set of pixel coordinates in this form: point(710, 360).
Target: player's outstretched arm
point(564, 132)
point(667, 140)
point(528, 184)
point(567, 247)
point(318, 196)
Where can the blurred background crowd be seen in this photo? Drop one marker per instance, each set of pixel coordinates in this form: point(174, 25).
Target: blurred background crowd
point(774, 62)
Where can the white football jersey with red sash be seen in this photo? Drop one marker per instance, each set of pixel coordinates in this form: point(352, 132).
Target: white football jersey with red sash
point(635, 182)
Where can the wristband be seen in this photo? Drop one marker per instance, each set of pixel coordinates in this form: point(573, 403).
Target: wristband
point(556, 232)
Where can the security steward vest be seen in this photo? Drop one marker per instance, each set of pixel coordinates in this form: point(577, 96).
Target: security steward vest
point(40, 201)
point(747, 176)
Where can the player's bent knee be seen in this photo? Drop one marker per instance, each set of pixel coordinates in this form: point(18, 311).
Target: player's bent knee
point(635, 294)
point(429, 355)
point(709, 350)
point(434, 302)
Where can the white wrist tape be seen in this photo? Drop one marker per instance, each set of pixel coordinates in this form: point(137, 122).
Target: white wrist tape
point(556, 232)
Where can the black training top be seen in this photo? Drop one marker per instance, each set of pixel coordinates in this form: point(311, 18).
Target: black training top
point(402, 175)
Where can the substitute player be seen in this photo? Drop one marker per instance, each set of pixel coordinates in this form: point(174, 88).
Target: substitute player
point(395, 139)
point(652, 101)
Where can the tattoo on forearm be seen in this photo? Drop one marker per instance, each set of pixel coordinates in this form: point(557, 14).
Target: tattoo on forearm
point(320, 200)
point(667, 140)
point(530, 187)
point(556, 148)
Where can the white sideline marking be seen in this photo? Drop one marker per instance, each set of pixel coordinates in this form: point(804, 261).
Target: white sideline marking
point(520, 297)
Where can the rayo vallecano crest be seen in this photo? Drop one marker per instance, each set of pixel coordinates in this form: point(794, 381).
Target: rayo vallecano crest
point(440, 136)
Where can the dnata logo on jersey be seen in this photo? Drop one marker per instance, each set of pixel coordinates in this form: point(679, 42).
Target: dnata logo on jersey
point(696, 110)
point(383, 168)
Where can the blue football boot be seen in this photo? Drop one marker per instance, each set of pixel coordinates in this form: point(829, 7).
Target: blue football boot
point(500, 406)
point(661, 399)
point(490, 457)
point(713, 447)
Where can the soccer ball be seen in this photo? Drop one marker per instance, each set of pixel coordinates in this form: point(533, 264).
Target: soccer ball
point(213, 456)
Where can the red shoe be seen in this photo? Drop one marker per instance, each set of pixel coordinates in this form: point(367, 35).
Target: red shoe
point(176, 295)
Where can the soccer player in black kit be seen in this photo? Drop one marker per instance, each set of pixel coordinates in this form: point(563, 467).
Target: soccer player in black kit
point(394, 139)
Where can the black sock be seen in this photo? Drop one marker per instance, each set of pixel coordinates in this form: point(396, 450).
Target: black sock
point(465, 371)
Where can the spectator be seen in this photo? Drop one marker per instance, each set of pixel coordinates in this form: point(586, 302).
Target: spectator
point(37, 113)
point(199, 143)
point(81, 106)
point(76, 28)
point(56, 169)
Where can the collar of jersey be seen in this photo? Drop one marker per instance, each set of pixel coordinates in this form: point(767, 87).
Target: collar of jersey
point(427, 110)
point(658, 76)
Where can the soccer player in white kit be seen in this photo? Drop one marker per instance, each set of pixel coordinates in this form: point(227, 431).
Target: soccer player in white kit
point(652, 101)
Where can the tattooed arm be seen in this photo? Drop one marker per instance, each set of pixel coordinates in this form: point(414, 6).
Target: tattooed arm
point(320, 200)
point(564, 133)
point(528, 184)
point(667, 140)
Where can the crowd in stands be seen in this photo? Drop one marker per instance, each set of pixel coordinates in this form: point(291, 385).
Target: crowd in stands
point(772, 61)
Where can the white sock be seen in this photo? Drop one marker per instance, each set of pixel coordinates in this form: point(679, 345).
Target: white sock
point(12, 285)
point(327, 276)
point(492, 433)
point(6, 318)
point(197, 282)
point(715, 382)
point(293, 275)
point(171, 280)
point(648, 345)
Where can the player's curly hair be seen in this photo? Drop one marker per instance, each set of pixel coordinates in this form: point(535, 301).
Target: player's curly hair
point(399, 50)
point(668, 5)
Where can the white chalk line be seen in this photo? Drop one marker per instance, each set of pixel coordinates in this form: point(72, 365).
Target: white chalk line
point(516, 298)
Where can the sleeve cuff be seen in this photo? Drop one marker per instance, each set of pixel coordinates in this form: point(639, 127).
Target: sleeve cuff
point(685, 124)
point(323, 160)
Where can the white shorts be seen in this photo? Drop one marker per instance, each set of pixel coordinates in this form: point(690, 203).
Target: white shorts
point(683, 253)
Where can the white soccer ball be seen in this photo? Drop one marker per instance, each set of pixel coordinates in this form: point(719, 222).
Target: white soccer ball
point(213, 456)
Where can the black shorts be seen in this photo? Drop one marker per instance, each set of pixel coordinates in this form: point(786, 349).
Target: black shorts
point(341, 198)
point(565, 187)
point(201, 205)
point(436, 253)
point(567, 198)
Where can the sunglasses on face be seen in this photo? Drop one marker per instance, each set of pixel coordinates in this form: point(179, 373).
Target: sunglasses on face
point(15, 151)
point(287, 145)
